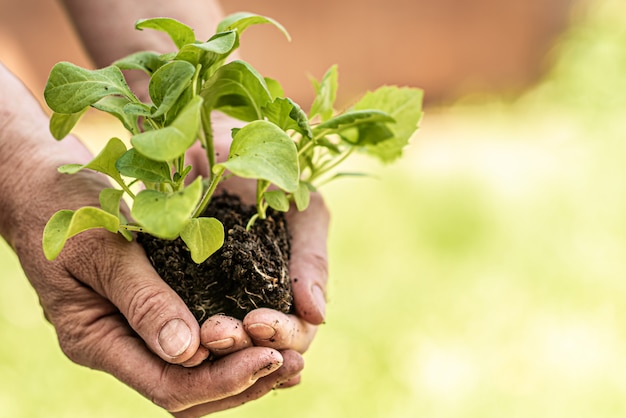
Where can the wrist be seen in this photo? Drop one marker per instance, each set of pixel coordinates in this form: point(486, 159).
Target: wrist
point(29, 155)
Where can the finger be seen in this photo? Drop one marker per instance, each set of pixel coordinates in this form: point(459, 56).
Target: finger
point(201, 355)
point(291, 382)
point(270, 328)
point(309, 260)
point(223, 334)
point(102, 340)
point(121, 272)
point(286, 376)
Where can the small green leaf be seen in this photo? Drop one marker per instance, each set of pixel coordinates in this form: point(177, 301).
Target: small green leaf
point(302, 196)
point(146, 61)
point(116, 106)
point(325, 95)
point(277, 199)
point(367, 134)
point(261, 150)
point(274, 87)
point(203, 237)
point(104, 162)
point(168, 83)
point(61, 124)
point(70, 89)
point(164, 215)
point(171, 142)
point(137, 109)
point(288, 115)
point(210, 52)
point(238, 90)
point(110, 201)
point(353, 118)
point(66, 223)
point(404, 105)
point(242, 20)
point(180, 33)
point(135, 165)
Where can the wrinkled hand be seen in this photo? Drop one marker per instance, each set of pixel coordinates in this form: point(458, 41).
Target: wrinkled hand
point(112, 312)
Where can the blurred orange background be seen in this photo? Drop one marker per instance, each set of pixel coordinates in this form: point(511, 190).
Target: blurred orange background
point(449, 48)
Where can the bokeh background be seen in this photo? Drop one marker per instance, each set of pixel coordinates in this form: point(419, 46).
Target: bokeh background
point(484, 275)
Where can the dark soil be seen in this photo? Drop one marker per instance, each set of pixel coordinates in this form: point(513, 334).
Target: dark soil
point(250, 271)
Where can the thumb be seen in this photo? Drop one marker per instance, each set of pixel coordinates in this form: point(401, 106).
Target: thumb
point(123, 274)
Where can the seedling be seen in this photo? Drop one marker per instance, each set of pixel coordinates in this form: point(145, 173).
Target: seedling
point(288, 152)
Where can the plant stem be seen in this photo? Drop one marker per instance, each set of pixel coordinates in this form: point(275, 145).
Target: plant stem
point(215, 179)
point(261, 187)
point(329, 165)
point(133, 228)
point(306, 147)
point(208, 140)
point(126, 189)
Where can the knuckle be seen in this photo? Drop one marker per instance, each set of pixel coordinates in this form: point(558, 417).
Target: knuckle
point(145, 304)
point(312, 266)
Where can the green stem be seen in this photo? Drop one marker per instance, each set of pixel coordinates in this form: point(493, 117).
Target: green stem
point(329, 165)
point(251, 221)
point(261, 187)
point(133, 228)
point(126, 189)
point(208, 139)
point(306, 147)
point(209, 193)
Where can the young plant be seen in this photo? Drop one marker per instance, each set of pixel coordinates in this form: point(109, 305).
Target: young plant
point(287, 152)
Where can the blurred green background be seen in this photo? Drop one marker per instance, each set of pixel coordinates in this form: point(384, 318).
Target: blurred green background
point(484, 275)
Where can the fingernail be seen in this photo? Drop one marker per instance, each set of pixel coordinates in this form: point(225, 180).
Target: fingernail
point(220, 344)
point(175, 337)
point(261, 331)
point(320, 300)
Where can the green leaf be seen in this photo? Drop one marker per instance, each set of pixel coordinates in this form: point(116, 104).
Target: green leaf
point(61, 124)
point(135, 165)
point(180, 33)
point(288, 115)
point(116, 106)
point(171, 142)
point(302, 196)
point(146, 61)
point(110, 200)
point(104, 162)
point(328, 144)
point(261, 150)
point(353, 118)
point(325, 95)
point(242, 20)
point(274, 87)
point(66, 223)
point(137, 109)
point(164, 215)
point(217, 48)
point(277, 199)
point(70, 89)
point(238, 90)
point(404, 105)
point(168, 83)
point(203, 237)
point(367, 134)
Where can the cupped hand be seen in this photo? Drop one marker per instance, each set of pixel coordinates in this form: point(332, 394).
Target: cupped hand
point(112, 312)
